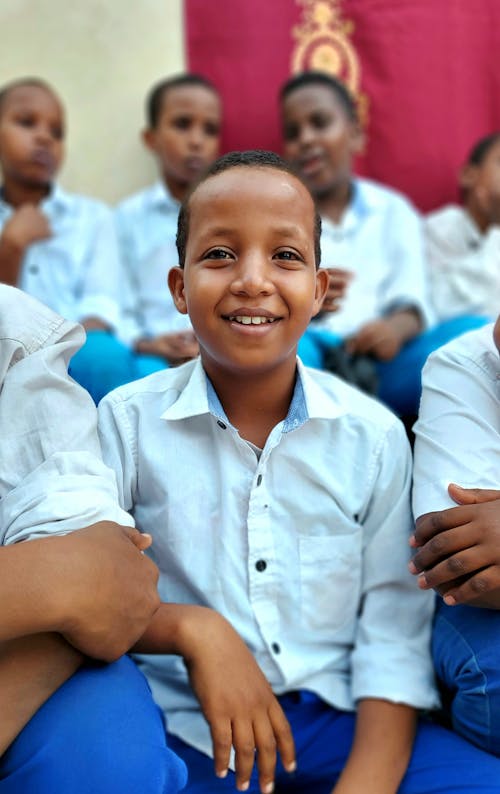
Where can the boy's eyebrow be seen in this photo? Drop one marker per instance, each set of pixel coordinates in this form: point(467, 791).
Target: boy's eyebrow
point(288, 230)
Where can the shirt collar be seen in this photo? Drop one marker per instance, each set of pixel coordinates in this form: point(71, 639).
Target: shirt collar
point(309, 400)
point(363, 202)
point(160, 196)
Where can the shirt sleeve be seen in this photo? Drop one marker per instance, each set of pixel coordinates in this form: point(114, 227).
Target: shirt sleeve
point(391, 657)
point(52, 477)
point(119, 447)
point(406, 284)
point(458, 429)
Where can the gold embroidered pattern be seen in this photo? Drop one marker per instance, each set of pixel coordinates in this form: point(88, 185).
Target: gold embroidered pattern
point(323, 45)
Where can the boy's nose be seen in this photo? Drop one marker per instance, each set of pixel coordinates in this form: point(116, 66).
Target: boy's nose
point(43, 134)
point(252, 277)
point(306, 135)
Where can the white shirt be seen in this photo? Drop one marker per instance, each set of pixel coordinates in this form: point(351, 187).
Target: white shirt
point(464, 265)
point(379, 239)
point(52, 478)
point(147, 228)
point(458, 430)
point(76, 271)
point(304, 548)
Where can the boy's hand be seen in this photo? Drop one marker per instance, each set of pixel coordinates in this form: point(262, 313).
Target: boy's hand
point(175, 348)
point(237, 701)
point(26, 225)
point(459, 549)
point(107, 589)
point(337, 288)
point(378, 338)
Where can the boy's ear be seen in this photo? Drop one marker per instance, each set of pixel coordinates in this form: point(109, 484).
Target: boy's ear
point(467, 176)
point(322, 282)
point(176, 286)
point(149, 139)
point(358, 138)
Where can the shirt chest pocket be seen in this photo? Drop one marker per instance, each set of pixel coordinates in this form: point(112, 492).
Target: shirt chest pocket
point(330, 581)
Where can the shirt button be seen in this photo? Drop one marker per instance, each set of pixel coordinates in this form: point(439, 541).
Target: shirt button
point(221, 424)
point(33, 269)
point(275, 648)
point(261, 565)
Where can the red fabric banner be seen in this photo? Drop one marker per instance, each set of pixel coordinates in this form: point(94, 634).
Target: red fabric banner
point(426, 74)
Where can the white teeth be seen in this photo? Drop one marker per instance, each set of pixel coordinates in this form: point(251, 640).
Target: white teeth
point(245, 320)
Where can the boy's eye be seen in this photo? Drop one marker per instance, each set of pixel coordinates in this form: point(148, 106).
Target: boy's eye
point(290, 132)
point(320, 120)
point(217, 253)
point(182, 122)
point(288, 258)
point(26, 121)
point(212, 129)
point(57, 132)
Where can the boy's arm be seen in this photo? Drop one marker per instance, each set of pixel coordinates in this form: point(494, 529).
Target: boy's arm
point(381, 749)
point(25, 226)
point(384, 338)
point(234, 695)
point(32, 668)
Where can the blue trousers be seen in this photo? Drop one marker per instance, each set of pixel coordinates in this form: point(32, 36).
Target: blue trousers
point(104, 363)
point(100, 733)
point(441, 763)
point(466, 652)
point(400, 379)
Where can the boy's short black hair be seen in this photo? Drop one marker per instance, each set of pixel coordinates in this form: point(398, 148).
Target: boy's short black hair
point(24, 82)
point(339, 88)
point(156, 95)
point(481, 148)
point(253, 157)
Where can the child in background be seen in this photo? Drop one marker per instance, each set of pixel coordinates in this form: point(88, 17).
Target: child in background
point(59, 247)
point(183, 129)
point(278, 498)
point(463, 242)
point(456, 501)
point(67, 595)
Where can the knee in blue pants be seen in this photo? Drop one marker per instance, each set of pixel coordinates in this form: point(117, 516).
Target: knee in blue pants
point(100, 733)
point(466, 650)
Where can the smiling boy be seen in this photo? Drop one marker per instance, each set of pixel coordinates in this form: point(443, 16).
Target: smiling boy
point(278, 501)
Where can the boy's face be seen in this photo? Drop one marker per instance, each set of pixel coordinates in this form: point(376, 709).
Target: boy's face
point(319, 138)
point(31, 136)
point(482, 183)
point(250, 283)
point(186, 137)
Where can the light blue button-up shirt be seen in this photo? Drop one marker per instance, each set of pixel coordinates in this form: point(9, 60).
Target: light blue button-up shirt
point(303, 547)
point(147, 227)
point(380, 240)
point(76, 271)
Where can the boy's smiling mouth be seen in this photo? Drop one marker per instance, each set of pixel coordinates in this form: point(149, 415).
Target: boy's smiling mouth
point(246, 319)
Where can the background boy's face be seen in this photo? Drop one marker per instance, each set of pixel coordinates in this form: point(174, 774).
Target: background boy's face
point(320, 140)
point(482, 183)
point(186, 137)
point(250, 282)
point(31, 136)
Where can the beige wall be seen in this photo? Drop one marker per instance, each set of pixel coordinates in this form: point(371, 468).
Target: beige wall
point(101, 56)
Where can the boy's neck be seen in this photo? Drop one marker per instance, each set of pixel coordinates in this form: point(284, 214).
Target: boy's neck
point(333, 204)
point(481, 220)
point(16, 195)
point(255, 404)
point(178, 190)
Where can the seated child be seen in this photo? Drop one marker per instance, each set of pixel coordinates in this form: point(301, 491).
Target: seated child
point(456, 501)
point(183, 128)
point(67, 597)
point(463, 242)
point(57, 246)
point(371, 241)
point(278, 498)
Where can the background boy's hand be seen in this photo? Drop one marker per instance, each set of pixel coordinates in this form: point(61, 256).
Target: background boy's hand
point(459, 549)
point(107, 588)
point(378, 338)
point(236, 700)
point(337, 288)
point(26, 225)
point(175, 348)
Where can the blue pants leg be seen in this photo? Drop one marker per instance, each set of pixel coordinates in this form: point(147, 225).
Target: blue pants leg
point(441, 763)
point(100, 733)
point(466, 652)
point(102, 364)
point(400, 383)
point(314, 344)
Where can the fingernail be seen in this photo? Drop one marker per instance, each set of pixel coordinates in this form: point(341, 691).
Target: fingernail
point(449, 600)
point(422, 581)
point(411, 567)
point(412, 541)
point(222, 773)
point(244, 786)
point(291, 767)
point(268, 788)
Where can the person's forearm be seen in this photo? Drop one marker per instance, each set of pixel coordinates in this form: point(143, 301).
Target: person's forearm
point(381, 749)
point(11, 257)
point(406, 323)
point(172, 628)
point(32, 668)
